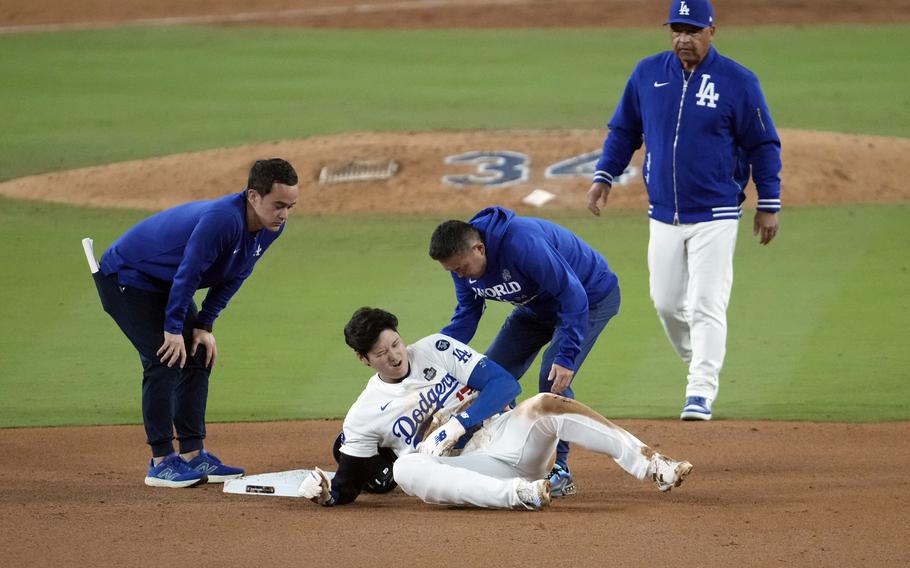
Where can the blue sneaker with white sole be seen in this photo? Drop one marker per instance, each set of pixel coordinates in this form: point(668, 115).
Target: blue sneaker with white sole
point(696, 408)
point(210, 465)
point(561, 482)
point(173, 472)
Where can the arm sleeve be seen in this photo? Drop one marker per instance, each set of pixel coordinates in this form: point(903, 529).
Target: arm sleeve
point(625, 137)
point(543, 264)
point(218, 297)
point(758, 138)
point(212, 235)
point(352, 474)
point(467, 314)
point(497, 389)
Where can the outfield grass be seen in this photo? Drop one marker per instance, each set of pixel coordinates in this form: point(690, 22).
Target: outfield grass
point(814, 322)
point(91, 97)
point(817, 321)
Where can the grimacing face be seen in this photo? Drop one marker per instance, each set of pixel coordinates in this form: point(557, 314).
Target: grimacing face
point(470, 264)
point(389, 356)
point(271, 211)
point(691, 43)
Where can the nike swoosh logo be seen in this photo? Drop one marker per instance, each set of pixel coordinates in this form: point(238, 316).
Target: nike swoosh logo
point(384, 406)
point(236, 251)
point(656, 84)
point(471, 281)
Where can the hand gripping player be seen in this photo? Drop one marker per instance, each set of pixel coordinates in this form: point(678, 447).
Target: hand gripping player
point(477, 452)
point(563, 291)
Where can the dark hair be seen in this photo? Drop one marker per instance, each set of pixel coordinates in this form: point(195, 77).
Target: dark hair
point(365, 326)
point(265, 173)
point(453, 237)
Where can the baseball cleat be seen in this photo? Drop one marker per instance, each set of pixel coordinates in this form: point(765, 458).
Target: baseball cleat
point(561, 482)
point(173, 472)
point(534, 495)
point(667, 472)
point(210, 465)
point(696, 408)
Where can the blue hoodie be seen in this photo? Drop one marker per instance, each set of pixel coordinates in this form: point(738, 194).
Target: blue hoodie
point(538, 265)
point(704, 133)
point(202, 244)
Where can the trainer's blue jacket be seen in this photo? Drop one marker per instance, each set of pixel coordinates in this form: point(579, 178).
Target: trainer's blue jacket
point(202, 244)
point(538, 265)
point(702, 131)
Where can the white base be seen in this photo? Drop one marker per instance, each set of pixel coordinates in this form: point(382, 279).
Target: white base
point(278, 484)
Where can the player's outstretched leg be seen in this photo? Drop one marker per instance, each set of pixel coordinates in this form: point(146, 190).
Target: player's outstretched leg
point(474, 480)
point(556, 417)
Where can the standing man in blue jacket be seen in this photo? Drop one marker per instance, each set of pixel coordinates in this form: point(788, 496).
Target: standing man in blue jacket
point(146, 282)
point(563, 291)
point(706, 129)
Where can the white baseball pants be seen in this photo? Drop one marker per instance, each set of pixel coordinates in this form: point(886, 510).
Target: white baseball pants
point(691, 269)
point(516, 446)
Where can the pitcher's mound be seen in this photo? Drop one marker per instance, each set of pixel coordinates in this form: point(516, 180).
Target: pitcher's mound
point(462, 171)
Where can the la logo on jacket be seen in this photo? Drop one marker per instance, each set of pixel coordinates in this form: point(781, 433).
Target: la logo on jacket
point(706, 95)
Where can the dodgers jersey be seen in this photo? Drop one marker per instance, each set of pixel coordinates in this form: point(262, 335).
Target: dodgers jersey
point(202, 244)
point(389, 415)
point(539, 265)
point(704, 133)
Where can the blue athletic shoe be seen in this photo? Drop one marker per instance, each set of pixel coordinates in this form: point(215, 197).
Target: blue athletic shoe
point(174, 472)
point(561, 483)
point(696, 408)
point(211, 466)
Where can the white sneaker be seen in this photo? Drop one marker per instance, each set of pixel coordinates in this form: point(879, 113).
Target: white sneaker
point(667, 472)
point(534, 495)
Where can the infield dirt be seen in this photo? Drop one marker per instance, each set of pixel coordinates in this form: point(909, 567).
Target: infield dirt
point(762, 493)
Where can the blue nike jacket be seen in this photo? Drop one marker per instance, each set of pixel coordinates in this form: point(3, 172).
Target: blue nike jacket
point(202, 244)
point(539, 265)
point(703, 133)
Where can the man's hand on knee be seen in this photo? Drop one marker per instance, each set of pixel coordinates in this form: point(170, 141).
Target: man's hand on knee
point(207, 340)
point(173, 350)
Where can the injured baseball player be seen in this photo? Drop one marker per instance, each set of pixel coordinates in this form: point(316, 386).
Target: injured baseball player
point(477, 451)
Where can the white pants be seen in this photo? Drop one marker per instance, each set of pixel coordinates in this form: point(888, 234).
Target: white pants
point(514, 447)
point(691, 270)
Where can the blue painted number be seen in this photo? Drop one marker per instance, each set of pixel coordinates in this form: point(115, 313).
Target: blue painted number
point(493, 169)
point(584, 165)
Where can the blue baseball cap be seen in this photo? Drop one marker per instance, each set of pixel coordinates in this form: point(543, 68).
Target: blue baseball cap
point(693, 12)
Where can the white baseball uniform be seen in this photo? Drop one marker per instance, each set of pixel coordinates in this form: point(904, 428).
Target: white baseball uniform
point(509, 447)
point(691, 267)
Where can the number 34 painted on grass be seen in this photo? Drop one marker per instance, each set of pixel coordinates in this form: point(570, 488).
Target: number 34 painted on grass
point(504, 168)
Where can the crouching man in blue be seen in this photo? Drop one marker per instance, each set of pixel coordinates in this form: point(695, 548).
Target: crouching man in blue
point(563, 291)
point(477, 452)
point(146, 282)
